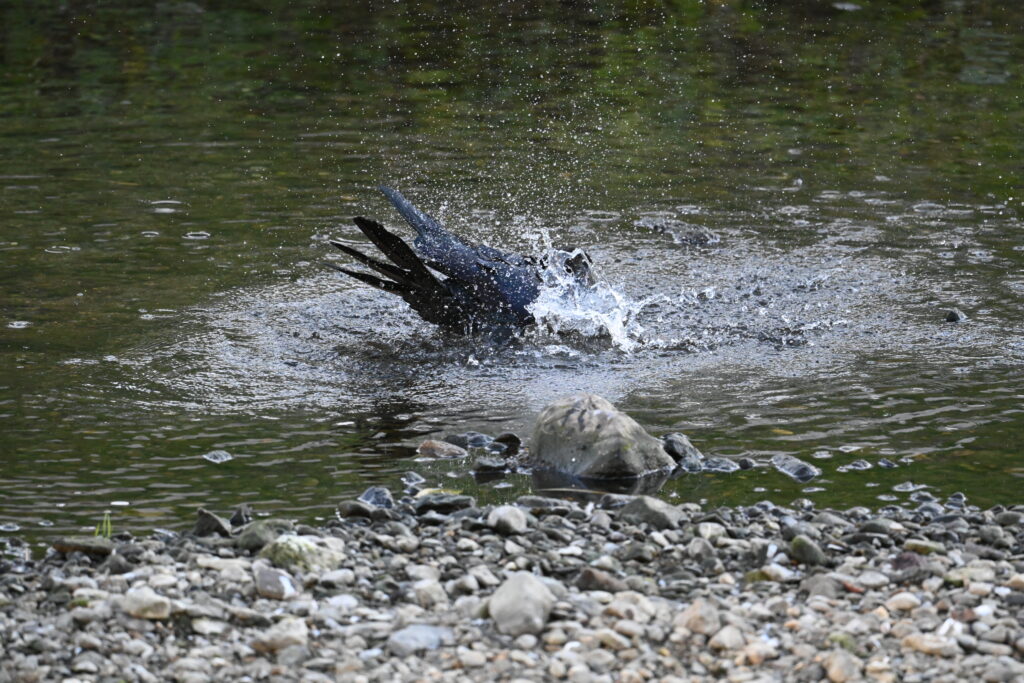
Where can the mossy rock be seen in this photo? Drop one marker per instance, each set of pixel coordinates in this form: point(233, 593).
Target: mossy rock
point(302, 553)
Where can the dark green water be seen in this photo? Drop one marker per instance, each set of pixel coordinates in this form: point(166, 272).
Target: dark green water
point(169, 176)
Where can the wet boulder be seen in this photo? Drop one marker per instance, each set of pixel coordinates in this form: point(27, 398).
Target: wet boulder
point(585, 436)
point(378, 496)
point(685, 454)
point(720, 465)
point(955, 315)
point(795, 468)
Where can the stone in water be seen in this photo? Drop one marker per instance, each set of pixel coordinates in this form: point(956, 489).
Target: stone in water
point(217, 457)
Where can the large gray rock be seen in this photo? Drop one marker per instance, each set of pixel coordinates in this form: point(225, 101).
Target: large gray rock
point(521, 605)
point(586, 436)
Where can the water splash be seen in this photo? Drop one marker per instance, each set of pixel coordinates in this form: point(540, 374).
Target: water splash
point(568, 305)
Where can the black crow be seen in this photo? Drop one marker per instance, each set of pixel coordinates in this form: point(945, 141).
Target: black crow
point(463, 288)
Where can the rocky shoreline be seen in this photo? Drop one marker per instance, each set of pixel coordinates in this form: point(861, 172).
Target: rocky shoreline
point(436, 588)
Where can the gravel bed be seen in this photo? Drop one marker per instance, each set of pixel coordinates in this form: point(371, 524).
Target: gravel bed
point(438, 588)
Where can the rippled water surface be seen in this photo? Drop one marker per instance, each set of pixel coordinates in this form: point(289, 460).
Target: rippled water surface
point(781, 203)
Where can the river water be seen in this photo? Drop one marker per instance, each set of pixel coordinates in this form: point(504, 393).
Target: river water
point(781, 202)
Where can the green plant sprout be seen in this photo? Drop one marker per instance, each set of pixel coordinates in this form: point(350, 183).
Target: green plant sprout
point(105, 528)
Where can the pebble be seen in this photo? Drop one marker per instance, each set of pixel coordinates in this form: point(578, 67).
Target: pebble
point(873, 580)
point(440, 449)
point(728, 638)
point(274, 583)
point(804, 550)
point(591, 579)
point(710, 531)
point(757, 653)
point(472, 659)
point(612, 640)
point(437, 588)
point(1009, 518)
point(289, 631)
point(521, 604)
point(700, 617)
point(508, 520)
point(418, 638)
point(922, 547)
point(654, 512)
point(931, 644)
point(842, 666)
point(145, 603)
point(902, 602)
point(429, 593)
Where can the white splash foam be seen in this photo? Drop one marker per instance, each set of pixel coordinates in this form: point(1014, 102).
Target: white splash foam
point(598, 310)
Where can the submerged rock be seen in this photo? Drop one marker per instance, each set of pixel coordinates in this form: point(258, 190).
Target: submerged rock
point(955, 315)
point(586, 436)
point(685, 454)
point(487, 465)
point(721, 465)
point(413, 482)
point(468, 440)
point(795, 468)
point(441, 449)
point(510, 441)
